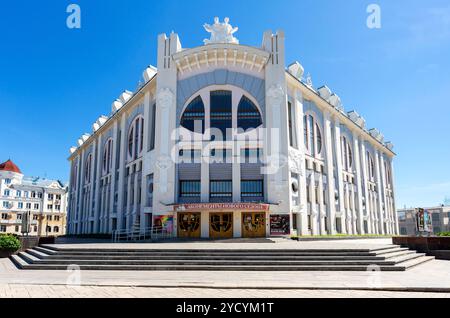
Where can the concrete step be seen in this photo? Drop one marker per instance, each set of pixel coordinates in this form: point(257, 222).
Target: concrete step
point(212, 257)
point(406, 258)
point(209, 262)
point(38, 254)
point(45, 250)
point(389, 251)
point(277, 268)
point(207, 251)
point(397, 254)
point(417, 261)
point(28, 257)
point(18, 261)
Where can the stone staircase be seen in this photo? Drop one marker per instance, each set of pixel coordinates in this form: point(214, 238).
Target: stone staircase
point(49, 257)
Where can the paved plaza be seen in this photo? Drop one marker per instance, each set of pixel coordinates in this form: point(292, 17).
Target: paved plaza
point(431, 279)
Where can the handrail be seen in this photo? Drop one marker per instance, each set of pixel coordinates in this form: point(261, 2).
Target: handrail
point(153, 233)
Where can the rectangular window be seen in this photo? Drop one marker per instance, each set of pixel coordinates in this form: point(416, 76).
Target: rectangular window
point(6, 205)
point(7, 181)
point(221, 114)
point(221, 189)
point(4, 216)
point(50, 196)
point(17, 228)
point(58, 197)
point(190, 189)
point(57, 218)
point(292, 134)
point(6, 193)
point(19, 216)
point(251, 155)
point(28, 205)
point(221, 156)
point(40, 195)
point(36, 206)
point(3, 228)
point(57, 207)
point(252, 188)
point(49, 207)
point(20, 205)
point(153, 128)
point(19, 193)
point(190, 156)
point(49, 218)
point(150, 186)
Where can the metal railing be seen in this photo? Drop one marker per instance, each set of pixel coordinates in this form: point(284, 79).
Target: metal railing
point(152, 233)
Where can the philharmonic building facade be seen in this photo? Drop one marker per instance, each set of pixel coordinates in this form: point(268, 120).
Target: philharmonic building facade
point(222, 140)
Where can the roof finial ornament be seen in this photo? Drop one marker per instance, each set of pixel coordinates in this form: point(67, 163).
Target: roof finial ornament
point(309, 80)
point(221, 32)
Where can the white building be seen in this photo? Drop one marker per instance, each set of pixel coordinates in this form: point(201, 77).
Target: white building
point(291, 161)
point(43, 200)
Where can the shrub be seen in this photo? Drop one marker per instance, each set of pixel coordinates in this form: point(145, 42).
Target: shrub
point(444, 234)
point(9, 243)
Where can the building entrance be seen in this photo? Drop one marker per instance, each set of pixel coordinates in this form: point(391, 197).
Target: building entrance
point(253, 225)
point(189, 225)
point(220, 225)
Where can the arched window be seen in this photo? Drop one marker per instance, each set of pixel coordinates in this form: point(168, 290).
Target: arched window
point(88, 168)
point(136, 138)
point(370, 166)
point(313, 135)
point(388, 173)
point(347, 154)
point(248, 115)
point(221, 112)
point(193, 118)
point(107, 157)
point(56, 229)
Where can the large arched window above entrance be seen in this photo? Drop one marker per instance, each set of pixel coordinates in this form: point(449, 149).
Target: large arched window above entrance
point(136, 138)
point(249, 116)
point(193, 118)
point(221, 112)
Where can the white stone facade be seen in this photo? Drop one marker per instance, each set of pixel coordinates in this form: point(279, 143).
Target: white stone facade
point(330, 176)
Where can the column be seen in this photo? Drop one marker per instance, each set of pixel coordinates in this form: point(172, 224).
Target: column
point(337, 144)
point(145, 168)
point(394, 209)
point(97, 146)
point(113, 169)
point(383, 194)
point(365, 188)
point(379, 191)
point(321, 214)
point(302, 218)
point(121, 187)
point(331, 207)
point(359, 185)
point(80, 192)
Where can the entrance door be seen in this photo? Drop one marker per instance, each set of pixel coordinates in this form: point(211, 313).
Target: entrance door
point(220, 225)
point(189, 225)
point(253, 225)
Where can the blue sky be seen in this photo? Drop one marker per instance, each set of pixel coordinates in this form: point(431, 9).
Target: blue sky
point(55, 82)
